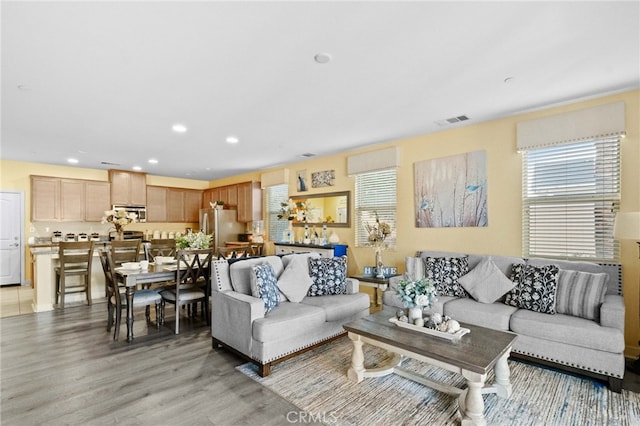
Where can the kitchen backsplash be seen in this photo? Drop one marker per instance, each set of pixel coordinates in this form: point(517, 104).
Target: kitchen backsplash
point(46, 229)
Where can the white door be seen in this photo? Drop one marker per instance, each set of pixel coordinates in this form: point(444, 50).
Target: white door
point(11, 256)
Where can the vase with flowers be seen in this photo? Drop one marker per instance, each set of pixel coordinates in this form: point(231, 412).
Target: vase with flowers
point(378, 233)
point(119, 218)
point(194, 240)
point(416, 295)
point(290, 211)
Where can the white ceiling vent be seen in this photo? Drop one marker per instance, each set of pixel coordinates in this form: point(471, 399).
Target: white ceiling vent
point(452, 120)
point(308, 155)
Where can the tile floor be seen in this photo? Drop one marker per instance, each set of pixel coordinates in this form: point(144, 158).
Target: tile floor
point(15, 300)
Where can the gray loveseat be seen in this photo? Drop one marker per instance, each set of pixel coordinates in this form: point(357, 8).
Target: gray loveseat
point(583, 333)
point(239, 321)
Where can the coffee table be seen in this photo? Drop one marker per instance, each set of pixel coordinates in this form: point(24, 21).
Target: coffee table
point(472, 356)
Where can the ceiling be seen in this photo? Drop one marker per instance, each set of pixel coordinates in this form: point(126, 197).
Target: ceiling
point(104, 82)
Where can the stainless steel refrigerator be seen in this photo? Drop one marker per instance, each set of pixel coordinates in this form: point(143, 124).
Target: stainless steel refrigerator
point(223, 224)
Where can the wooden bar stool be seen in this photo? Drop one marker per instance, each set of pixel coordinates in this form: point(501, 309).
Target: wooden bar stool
point(75, 260)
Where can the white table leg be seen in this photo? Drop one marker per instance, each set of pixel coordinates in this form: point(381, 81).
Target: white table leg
point(502, 383)
point(470, 402)
point(356, 371)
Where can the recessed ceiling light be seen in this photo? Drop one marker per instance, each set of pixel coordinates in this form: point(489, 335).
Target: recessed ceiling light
point(179, 128)
point(137, 168)
point(232, 139)
point(153, 161)
point(72, 160)
point(24, 87)
point(322, 58)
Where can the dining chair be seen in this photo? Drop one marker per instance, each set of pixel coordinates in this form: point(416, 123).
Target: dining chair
point(123, 251)
point(233, 252)
point(160, 247)
point(256, 249)
point(117, 301)
point(193, 283)
point(75, 261)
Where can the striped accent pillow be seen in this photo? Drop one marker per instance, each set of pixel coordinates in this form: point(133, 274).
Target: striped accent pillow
point(580, 294)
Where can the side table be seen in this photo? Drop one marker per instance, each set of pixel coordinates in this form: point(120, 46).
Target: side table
point(379, 284)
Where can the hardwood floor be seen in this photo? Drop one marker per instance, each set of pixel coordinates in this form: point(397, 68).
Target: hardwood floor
point(62, 367)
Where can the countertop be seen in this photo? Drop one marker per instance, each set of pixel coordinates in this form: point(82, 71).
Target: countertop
point(329, 246)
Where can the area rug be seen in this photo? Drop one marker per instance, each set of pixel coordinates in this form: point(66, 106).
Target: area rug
point(316, 382)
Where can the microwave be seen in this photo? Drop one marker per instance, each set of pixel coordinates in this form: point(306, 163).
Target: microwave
point(139, 211)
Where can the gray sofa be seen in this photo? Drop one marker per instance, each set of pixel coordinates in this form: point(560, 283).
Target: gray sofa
point(239, 321)
point(592, 345)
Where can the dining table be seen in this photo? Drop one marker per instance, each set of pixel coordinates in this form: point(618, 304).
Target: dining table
point(139, 278)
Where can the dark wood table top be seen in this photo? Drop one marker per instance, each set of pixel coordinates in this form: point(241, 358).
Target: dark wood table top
point(373, 278)
point(476, 351)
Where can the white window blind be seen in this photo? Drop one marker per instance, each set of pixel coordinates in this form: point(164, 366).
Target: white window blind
point(375, 193)
point(570, 195)
point(276, 195)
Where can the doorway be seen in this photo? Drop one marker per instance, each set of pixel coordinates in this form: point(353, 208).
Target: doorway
point(12, 238)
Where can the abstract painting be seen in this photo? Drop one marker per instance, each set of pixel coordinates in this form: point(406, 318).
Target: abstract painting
point(324, 178)
point(451, 191)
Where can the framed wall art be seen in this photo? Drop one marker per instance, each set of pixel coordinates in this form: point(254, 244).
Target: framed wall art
point(302, 180)
point(324, 178)
point(451, 191)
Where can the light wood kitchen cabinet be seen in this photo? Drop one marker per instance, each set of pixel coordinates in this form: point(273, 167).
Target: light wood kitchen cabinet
point(249, 202)
point(63, 200)
point(166, 204)
point(45, 198)
point(156, 204)
point(175, 205)
point(128, 188)
point(209, 196)
point(72, 200)
point(97, 200)
point(227, 193)
point(192, 202)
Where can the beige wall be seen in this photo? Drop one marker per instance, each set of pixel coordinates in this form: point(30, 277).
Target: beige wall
point(502, 236)
point(504, 233)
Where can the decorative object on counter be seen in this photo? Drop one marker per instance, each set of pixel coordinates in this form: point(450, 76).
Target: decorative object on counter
point(119, 218)
point(57, 237)
point(95, 236)
point(378, 233)
point(416, 293)
point(306, 239)
point(70, 237)
point(334, 239)
point(218, 205)
point(83, 237)
point(194, 240)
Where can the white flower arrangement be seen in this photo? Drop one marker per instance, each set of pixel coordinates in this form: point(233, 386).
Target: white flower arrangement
point(414, 293)
point(194, 240)
point(293, 210)
point(378, 232)
point(119, 218)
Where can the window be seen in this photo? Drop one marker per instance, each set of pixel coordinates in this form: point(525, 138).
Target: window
point(276, 195)
point(375, 193)
point(570, 195)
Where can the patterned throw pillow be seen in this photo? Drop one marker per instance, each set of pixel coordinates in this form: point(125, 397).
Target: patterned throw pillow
point(535, 288)
point(328, 276)
point(445, 272)
point(580, 294)
point(264, 285)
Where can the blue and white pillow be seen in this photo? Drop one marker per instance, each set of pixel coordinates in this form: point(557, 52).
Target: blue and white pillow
point(328, 276)
point(445, 272)
point(264, 285)
point(535, 288)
